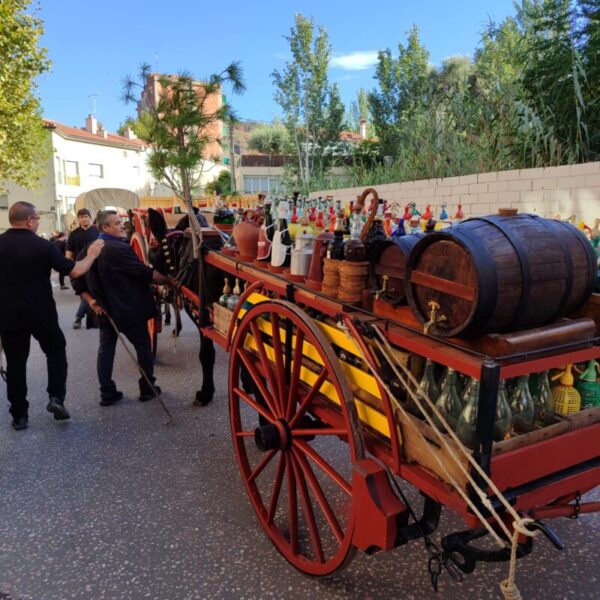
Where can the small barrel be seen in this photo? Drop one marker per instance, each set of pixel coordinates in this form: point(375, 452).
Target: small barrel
point(391, 263)
point(499, 274)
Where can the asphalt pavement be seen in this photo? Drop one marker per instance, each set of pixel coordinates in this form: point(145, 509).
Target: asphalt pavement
point(115, 504)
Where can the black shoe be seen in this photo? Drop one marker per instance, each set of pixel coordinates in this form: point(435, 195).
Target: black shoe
point(77, 324)
point(20, 423)
point(64, 287)
point(148, 394)
point(111, 399)
point(56, 407)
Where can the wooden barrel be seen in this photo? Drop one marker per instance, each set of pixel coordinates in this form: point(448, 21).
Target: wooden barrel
point(499, 274)
point(391, 263)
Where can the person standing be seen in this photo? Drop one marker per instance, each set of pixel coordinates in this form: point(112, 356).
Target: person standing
point(78, 240)
point(27, 309)
point(118, 286)
point(60, 241)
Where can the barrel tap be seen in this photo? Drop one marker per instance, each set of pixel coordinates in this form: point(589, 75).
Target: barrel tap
point(433, 316)
point(384, 284)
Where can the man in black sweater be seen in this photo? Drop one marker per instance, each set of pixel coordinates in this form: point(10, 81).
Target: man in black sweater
point(27, 308)
point(119, 286)
point(79, 239)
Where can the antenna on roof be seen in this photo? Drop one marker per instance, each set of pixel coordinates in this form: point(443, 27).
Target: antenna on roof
point(93, 97)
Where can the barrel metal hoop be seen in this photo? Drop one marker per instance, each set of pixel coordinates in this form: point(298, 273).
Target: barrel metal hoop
point(568, 262)
point(589, 252)
point(523, 263)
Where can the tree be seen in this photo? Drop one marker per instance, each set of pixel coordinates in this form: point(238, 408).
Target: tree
point(404, 93)
point(359, 110)
point(180, 126)
point(221, 185)
point(313, 111)
point(24, 143)
point(270, 139)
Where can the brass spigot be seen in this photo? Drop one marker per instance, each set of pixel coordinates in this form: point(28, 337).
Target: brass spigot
point(384, 284)
point(433, 316)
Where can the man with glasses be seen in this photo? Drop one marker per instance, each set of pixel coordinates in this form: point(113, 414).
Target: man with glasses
point(27, 308)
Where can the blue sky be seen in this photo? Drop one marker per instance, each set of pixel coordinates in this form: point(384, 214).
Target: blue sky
point(94, 45)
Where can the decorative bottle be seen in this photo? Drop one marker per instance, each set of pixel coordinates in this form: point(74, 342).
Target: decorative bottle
point(503, 419)
point(265, 235)
point(282, 241)
point(521, 406)
point(233, 299)
point(226, 293)
point(543, 401)
point(428, 386)
point(466, 427)
point(448, 402)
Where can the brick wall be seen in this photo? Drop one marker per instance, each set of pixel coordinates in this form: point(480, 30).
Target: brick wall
point(565, 190)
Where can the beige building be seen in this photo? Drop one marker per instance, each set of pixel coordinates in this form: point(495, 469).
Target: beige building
point(82, 159)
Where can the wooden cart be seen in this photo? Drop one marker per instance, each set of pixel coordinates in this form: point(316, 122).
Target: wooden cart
point(319, 439)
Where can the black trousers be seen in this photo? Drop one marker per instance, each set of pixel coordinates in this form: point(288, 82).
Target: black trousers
point(140, 339)
point(16, 348)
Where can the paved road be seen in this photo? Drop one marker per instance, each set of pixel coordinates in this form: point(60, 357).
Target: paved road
point(117, 505)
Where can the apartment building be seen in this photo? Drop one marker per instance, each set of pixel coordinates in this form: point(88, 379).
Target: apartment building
point(83, 159)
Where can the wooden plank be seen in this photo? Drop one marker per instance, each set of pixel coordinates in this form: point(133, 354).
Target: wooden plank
point(446, 286)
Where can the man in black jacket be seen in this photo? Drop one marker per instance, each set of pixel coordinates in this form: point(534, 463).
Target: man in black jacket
point(27, 308)
point(119, 285)
point(79, 239)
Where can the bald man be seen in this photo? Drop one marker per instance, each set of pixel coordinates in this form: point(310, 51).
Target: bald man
point(27, 309)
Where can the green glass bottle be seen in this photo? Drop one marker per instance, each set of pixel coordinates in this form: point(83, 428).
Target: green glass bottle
point(449, 403)
point(467, 422)
point(466, 391)
point(428, 386)
point(543, 401)
point(521, 406)
point(503, 415)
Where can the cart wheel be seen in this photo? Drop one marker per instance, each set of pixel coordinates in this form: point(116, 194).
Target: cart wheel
point(139, 245)
point(297, 464)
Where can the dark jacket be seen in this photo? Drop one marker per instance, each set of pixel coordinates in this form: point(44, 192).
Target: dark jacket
point(120, 283)
point(26, 299)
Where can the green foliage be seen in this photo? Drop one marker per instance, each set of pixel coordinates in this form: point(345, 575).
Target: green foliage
point(312, 108)
point(220, 185)
point(530, 97)
point(270, 139)
point(128, 123)
point(180, 127)
point(24, 143)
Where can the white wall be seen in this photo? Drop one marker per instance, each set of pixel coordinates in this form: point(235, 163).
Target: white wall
point(550, 191)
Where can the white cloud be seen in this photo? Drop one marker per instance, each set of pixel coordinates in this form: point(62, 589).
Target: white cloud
point(355, 61)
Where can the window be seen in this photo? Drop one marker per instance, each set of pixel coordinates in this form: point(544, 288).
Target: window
point(71, 172)
point(96, 170)
point(136, 171)
point(3, 201)
point(59, 173)
point(254, 184)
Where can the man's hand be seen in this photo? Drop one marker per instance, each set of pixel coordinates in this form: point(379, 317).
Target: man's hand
point(93, 304)
point(95, 248)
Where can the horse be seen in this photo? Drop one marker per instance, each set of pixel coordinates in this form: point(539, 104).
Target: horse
point(198, 286)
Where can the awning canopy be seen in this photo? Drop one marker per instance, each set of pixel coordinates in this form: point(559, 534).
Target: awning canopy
point(100, 198)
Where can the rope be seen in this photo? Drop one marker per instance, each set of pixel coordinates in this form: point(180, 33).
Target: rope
point(508, 587)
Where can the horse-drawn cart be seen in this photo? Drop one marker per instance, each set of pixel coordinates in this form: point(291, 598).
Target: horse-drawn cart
point(319, 394)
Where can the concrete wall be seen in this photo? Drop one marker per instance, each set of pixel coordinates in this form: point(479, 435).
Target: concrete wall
point(565, 190)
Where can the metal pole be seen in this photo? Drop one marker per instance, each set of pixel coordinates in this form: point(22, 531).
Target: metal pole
point(232, 154)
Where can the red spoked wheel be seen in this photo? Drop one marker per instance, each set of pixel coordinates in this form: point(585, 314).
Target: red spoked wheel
point(140, 247)
point(296, 435)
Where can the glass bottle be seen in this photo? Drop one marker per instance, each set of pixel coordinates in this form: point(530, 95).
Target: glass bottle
point(428, 386)
point(335, 250)
point(282, 241)
point(226, 293)
point(503, 415)
point(265, 235)
point(521, 406)
point(233, 298)
point(448, 402)
point(543, 401)
point(466, 391)
point(466, 428)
